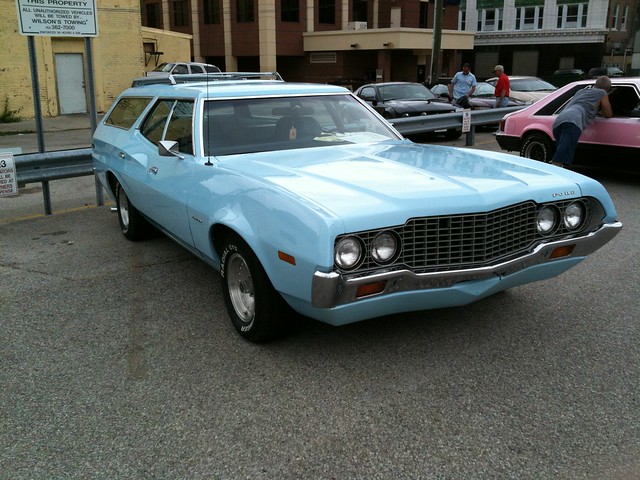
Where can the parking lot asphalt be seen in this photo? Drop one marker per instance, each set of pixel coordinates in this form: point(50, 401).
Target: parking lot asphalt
point(119, 362)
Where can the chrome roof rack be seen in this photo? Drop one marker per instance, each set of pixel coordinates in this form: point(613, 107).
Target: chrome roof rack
point(204, 77)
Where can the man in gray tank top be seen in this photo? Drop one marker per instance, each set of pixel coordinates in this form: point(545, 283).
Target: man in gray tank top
point(579, 112)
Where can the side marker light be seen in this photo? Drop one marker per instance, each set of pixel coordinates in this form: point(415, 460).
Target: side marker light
point(562, 251)
point(285, 257)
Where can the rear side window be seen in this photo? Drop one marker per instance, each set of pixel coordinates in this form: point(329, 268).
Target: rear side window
point(126, 112)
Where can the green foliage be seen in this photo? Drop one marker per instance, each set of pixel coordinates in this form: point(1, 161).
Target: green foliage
point(7, 115)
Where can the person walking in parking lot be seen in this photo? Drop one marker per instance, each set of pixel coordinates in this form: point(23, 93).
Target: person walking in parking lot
point(578, 114)
point(462, 85)
point(502, 87)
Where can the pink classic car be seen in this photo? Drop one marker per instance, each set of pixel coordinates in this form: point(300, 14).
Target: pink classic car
point(605, 141)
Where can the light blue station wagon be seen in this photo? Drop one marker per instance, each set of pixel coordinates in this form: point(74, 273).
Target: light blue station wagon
point(306, 200)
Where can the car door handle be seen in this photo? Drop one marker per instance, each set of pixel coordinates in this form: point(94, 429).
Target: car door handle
point(153, 170)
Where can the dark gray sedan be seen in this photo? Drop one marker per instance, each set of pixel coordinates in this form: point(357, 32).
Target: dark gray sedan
point(405, 99)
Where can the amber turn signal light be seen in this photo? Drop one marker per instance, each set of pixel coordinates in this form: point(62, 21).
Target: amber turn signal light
point(370, 289)
point(564, 251)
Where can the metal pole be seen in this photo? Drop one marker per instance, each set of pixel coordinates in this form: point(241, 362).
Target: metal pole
point(37, 109)
point(437, 41)
point(92, 109)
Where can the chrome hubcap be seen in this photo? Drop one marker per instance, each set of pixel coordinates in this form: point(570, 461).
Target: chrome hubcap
point(240, 286)
point(123, 208)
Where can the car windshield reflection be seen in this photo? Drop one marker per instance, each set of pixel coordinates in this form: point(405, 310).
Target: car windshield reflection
point(270, 124)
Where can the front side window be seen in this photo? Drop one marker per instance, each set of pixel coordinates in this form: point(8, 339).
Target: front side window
point(170, 120)
point(180, 69)
point(126, 112)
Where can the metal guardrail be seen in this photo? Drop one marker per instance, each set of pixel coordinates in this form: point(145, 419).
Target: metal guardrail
point(443, 121)
point(44, 167)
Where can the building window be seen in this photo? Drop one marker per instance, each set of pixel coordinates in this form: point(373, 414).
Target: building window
point(244, 11)
point(211, 12)
point(572, 16)
point(154, 15)
point(490, 20)
point(623, 20)
point(181, 13)
point(462, 20)
point(327, 11)
point(529, 18)
point(424, 15)
point(360, 11)
point(290, 11)
point(614, 17)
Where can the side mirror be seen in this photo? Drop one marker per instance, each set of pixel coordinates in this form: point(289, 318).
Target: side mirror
point(169, 148)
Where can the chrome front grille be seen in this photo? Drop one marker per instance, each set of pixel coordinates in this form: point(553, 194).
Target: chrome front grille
point(455, 242)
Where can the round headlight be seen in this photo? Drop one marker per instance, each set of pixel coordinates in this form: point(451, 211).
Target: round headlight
point(348, 253)
point(384, 247)
point(573, 215)
point(546, 220)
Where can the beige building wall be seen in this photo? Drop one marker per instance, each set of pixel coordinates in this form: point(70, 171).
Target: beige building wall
point(174, 47)
point(117, 53)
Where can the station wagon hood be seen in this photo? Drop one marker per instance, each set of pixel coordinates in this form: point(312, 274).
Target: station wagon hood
point(417, 180)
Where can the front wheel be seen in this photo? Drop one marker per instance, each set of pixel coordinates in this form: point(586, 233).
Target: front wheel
point(537, 146)
point(257, 310)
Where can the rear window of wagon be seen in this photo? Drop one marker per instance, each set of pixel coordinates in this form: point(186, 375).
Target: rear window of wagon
point(127, 111)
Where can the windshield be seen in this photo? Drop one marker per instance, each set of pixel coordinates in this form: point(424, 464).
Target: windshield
point(405, 91)
point(531, 85)
point(269, 124)
point(163, 67)
point(483, 90)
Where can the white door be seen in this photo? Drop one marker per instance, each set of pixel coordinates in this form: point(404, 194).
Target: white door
point(72, 96)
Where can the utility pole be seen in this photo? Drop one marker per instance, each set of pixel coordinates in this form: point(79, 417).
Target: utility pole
point(437, 41)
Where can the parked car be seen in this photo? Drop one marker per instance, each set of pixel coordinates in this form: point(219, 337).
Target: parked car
point(608, 71)
point(307, 201)
point(527, 89)
point(569, 71)
point(614, 72)
point(483, 96)
point(606, 140)
point(405, 99)
point(183, 68)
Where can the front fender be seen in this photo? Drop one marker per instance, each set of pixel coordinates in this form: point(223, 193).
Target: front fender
point(274, 223)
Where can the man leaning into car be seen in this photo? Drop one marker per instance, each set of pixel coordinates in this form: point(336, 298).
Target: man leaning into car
point(462, 85)
point(576, 116)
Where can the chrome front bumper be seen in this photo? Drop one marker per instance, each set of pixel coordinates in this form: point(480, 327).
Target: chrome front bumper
point(332, 289)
